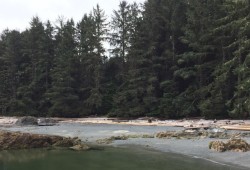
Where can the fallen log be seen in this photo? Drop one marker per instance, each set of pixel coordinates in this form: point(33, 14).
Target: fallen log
point(237, 127)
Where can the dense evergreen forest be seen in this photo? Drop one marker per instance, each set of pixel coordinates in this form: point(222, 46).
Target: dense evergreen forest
point(166, 58)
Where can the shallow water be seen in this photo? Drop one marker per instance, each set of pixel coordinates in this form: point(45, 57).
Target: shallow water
point(106, 159)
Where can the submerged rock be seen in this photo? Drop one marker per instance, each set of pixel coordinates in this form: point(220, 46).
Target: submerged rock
point(27, 120)
point(104, 141)
point(236, 145)
point(17, 140)
point(80, 147)
point(111, 139)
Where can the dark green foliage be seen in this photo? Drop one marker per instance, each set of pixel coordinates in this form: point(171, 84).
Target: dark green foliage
point(168, 59)
point(9, 69)
point(62, 95)
point(92, 32)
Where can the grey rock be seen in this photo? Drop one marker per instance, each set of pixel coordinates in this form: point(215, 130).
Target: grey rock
point(27, 120)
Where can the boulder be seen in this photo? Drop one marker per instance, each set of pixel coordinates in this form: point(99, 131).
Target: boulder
point(236, 145)
point(27, 120)
point(218, 146)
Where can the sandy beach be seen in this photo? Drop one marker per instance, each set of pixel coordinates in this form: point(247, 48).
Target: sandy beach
point(93, 129)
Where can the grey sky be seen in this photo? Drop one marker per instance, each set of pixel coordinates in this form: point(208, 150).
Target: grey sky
point(16, 14)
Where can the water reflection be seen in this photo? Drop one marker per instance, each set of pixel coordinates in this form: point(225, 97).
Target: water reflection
point(107, 159)
point(21, 156)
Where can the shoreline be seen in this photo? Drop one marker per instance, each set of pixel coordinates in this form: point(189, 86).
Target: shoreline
point(226, 164)
point(243, 125)
point(91, 132)
point(195, 149)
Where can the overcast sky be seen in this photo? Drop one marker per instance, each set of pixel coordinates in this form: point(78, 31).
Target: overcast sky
point(16, 14)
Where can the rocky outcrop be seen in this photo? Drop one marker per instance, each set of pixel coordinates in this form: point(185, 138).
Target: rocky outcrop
point(17, 140)
point(123, 137)
point(111, 139)
point(236, 145)
point(194, 134)
point(27, 120)
point(169, 134)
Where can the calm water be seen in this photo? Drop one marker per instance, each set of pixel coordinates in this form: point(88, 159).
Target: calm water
point(107, 159)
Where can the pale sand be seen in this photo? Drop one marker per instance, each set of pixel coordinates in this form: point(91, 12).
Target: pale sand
point(195, 123)
point(7, 121)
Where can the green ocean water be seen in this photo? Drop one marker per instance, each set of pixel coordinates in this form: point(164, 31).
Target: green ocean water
point(105, 159)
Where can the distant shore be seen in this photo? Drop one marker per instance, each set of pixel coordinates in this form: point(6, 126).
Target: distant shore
point(91, 130)
point(186, 123)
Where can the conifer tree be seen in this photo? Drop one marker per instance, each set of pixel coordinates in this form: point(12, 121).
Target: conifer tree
point(10, 52)
point(197, 63)
point(237, 22)
point(129, 98)
point(169, 59)
point(92, 32)
point(63, 96)
point(120, 31)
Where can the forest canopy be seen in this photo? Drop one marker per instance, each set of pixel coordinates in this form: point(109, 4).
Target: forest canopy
point(166, 58)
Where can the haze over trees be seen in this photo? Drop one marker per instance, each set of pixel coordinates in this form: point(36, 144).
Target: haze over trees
point(167, 58)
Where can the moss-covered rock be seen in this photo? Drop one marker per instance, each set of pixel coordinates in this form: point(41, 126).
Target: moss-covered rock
point(180, 134)
point(123, 137)
point(111, 139)
point(17, 140)
point(236, 145)
point(218, 146)
point(193, 134)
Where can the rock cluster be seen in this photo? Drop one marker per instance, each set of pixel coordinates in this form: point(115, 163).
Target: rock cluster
point(193, 134)
point(123, 137)
point(17, 140)
point(111, 139)
point(169, 134)
point(29, 120)
point(237, 145)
